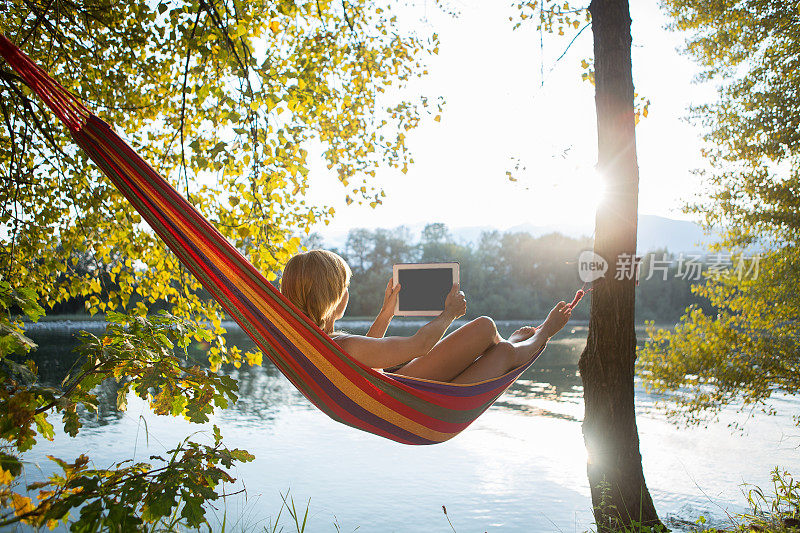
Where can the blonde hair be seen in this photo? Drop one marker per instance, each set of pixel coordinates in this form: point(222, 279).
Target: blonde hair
point(315, 282)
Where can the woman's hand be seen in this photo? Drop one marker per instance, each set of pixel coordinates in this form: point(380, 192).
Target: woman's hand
point(390, 298)
point(381, 323)
point(455, 304)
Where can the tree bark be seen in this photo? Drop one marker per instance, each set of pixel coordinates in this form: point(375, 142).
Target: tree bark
point(619, 494)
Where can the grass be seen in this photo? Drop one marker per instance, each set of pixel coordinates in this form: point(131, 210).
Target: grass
point(773, 511)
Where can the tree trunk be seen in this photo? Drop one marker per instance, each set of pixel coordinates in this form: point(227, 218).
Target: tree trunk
point(619, 493)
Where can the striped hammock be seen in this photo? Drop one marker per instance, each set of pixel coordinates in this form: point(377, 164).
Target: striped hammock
point(400, 408)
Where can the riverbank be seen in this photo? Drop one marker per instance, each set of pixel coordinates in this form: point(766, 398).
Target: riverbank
point(356, 322)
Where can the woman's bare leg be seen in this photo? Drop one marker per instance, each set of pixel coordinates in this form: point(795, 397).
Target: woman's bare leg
point(505, 355)
point(455, 352)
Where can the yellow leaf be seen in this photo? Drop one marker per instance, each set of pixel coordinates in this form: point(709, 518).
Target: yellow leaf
point(274, 26)
point(254, 359)
point(22, 504)
point(437, 118)
point(5, 477)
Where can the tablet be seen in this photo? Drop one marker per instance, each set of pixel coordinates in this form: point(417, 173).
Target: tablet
point(423, 287)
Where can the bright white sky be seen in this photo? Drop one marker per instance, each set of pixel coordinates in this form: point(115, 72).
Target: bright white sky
point(496, 109)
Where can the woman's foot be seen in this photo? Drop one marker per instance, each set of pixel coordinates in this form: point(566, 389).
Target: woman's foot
point(523, 333)
point(556, 320)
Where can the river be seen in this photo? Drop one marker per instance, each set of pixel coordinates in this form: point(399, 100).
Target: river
point(519, 467)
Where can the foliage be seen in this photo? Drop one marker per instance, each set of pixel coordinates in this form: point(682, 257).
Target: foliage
point(665, 287)
point(126, 497)
point(512, 275)
point(138, 352)
point(225, 99)
point(552, 16)
point(747, 348)
point(776, 511)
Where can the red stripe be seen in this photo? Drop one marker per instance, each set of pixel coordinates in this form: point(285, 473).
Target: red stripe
point(64, 104)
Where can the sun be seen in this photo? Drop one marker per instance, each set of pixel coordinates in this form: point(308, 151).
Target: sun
point(567, 195)
point(593, 189)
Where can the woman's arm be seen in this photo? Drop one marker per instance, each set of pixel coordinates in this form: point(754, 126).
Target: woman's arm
point(381, 323)
point(390, 351)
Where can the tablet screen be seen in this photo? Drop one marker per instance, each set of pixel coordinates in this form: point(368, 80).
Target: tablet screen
point(424, 289)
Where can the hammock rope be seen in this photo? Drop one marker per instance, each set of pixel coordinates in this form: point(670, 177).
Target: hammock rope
point(404, 409)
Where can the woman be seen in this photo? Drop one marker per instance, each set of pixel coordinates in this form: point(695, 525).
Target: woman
point(317, 283)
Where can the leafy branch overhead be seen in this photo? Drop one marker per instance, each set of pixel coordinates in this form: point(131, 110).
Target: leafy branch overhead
point(225, 99)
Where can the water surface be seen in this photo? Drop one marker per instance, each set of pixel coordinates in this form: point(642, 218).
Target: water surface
point(519, 467)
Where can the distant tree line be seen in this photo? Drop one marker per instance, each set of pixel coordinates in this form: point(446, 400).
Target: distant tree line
point(511, 275)
point(507, 276)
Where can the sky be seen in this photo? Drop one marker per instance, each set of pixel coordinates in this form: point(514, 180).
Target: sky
point(497, 108)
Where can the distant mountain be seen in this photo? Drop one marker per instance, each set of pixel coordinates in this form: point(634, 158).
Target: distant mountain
point(654, 232)
point(675, 235)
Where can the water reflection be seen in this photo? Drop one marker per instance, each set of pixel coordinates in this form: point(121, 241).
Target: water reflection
point(558, 386)
point(263, 393)
point(56, 359)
